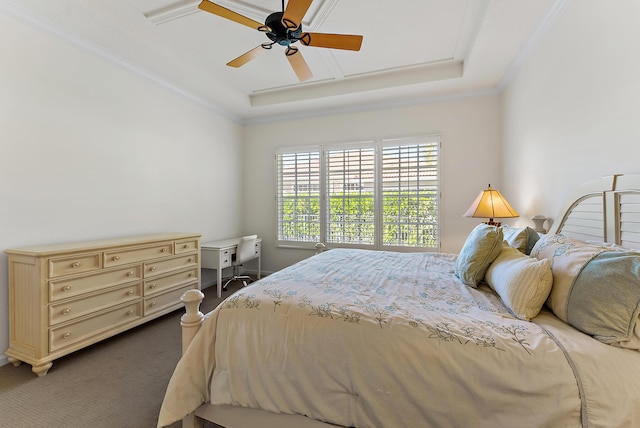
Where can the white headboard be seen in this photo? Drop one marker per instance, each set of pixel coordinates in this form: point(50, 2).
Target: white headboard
point(605, 210)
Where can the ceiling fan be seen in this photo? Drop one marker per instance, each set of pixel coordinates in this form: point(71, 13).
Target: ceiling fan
point(285, 29)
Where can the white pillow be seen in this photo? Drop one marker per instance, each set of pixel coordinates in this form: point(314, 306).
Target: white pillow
point(522, 282)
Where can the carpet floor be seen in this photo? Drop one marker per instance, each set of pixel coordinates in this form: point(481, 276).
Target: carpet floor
point(117, 383)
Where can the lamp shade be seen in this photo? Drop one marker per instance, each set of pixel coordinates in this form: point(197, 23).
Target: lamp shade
point(491, 204)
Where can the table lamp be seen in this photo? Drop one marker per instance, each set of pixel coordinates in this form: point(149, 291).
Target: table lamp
point(491, 204)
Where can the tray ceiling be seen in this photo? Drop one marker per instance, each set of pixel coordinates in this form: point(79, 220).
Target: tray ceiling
point(413, 50)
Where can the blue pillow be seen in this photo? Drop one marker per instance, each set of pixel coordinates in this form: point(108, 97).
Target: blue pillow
point(480, 249)
point(604, 300)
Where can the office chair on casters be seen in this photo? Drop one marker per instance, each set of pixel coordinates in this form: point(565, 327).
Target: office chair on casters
point(246, 251)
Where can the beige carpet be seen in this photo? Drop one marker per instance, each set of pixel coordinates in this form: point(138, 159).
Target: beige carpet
point(117, 383)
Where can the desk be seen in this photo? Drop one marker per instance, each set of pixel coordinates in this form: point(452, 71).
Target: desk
point(219, 255)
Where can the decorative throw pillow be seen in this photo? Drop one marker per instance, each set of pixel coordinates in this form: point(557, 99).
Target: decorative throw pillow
point(568, 257)
point(480, 249)
point(604, 300)
point(522, 282)
point(521, 238)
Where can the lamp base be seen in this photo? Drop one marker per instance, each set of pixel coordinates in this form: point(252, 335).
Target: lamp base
point(493, 223)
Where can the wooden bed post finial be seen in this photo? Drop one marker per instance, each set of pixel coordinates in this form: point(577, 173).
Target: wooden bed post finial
point(192, 319)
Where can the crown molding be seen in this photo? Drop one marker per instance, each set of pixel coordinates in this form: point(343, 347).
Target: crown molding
point(83, 44)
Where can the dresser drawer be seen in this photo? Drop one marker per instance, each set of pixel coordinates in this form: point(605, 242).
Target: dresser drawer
point(69, 310)
point(67, 335)
point(170, 299)
point(78, 263)
point(134, 255)
point(65, 288)
point(165, 266)
point(186, 246)
point(158, 284)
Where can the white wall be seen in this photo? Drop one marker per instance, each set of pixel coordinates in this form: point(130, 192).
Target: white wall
point(470, 159)
point(90, 150)
point(573, 112)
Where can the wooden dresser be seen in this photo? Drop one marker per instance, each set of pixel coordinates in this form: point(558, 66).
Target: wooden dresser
point(65, 297)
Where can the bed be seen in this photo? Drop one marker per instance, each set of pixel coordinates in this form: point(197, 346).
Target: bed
point(516, 330)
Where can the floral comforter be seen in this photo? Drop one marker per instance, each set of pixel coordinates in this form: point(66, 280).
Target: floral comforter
point(383, 339)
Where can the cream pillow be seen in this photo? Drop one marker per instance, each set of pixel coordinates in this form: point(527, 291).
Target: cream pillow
point(522, 282)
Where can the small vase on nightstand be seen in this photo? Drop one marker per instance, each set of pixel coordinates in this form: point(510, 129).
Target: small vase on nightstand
point(538, 221)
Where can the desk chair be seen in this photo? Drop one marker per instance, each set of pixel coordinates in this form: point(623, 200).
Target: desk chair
point(246, 251)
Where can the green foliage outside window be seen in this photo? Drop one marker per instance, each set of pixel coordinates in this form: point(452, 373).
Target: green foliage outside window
point(408, 219)
point(301, 218)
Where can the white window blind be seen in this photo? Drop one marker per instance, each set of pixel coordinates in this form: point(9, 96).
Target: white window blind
point(410, 195)
point(377, 194)
point(298, 196)
point(350, 196)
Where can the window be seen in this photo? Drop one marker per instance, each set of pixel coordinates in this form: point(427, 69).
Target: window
point(378, 194)
point(350, 178)
point(298, 192)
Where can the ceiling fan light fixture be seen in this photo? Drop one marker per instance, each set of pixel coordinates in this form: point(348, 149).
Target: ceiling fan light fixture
point(279, 33)
point(289, 24)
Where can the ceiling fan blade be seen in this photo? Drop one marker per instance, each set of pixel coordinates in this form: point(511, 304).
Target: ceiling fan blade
point(298, 64)
point(207, 6)
point(246, 57)
point(333, 41)
point(295, 11)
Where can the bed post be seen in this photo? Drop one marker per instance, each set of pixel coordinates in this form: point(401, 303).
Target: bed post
point(190, 323)
point(192, 319)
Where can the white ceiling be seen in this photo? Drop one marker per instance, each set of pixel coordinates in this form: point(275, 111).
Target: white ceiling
point(413, 50)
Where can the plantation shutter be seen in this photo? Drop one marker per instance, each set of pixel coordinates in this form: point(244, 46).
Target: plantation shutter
point(410, 194)
point(380, 194)
point(298, 196)
point(350, 190)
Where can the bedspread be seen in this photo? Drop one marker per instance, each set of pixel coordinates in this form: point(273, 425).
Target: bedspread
point(383, 339)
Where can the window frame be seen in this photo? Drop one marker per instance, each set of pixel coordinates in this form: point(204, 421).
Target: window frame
point(378, 146)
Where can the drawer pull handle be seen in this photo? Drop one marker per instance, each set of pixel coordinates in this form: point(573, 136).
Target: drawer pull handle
point(66, 335)
point(164, 250)
point(153, 268)
point(152, 286)
point(130, 293)
point(66, 311)
point(66, 288)
point(186, 245)
point(153, 304)
point(130, 273)
point(190, 259)
point(130, 312)
point(190, 274)
point(116, 258)
point(75, 265)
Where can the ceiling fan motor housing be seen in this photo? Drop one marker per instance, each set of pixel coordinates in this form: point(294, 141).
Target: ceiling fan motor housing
point(279, 33)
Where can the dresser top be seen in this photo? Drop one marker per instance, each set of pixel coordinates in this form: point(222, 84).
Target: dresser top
point(45, 250)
